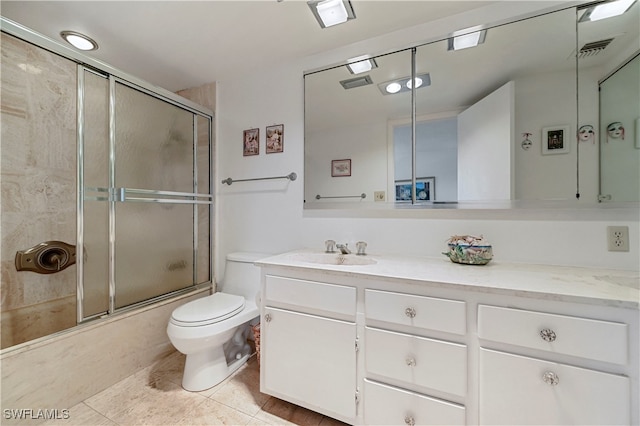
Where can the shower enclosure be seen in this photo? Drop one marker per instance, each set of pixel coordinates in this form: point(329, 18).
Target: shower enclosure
point(101, 169)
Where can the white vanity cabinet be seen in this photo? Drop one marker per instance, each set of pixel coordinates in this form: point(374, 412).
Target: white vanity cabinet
point(308, 345)
point(427, 341)
point(517, 389)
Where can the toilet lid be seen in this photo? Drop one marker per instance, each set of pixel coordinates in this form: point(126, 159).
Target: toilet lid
point(208, 310)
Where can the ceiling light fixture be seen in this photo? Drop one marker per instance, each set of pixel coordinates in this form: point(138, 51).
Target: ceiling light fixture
point(606, 10)
point(331, 12)
point(358, 65)
point(404, 84)
point(469, 37)
point(78, 40)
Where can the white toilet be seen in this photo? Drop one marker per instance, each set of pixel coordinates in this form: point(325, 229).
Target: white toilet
point(212, 331)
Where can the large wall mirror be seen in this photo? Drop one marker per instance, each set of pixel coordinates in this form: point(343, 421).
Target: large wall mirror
point(609, 78)
point(493, 123)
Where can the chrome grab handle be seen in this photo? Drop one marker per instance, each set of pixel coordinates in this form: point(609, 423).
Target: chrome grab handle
point(550, 378)
point(409, 421)
point(548, 335)
point(411, 362)
point(410, 312)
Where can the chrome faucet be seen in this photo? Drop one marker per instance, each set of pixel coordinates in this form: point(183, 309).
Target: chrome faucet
point(343, 248)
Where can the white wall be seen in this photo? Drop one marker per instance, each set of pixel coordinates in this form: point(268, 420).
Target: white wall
point(436, 154)
point(268, 216)
point(485, 131)
point(368, 165)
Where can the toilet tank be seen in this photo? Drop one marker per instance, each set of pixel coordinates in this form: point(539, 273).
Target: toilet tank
point(241, 276)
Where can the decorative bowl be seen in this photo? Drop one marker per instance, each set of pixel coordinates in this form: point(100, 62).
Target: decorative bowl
point(469, 250)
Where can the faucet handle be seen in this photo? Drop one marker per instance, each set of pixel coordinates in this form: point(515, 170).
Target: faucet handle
point(361, 247)
point(330, 246)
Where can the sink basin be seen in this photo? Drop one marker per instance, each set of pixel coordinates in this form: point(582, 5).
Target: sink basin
point(334, 259)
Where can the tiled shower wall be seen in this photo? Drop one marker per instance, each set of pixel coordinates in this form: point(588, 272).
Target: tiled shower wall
point(38, 179)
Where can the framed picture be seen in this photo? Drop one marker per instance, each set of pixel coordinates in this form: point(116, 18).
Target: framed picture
point(251, 142)
point(340, 168)
point(425, 189)
point(555, 140)
point(275, 138)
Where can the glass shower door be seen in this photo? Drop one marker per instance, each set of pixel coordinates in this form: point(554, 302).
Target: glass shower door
point(146, 203)
point(156, 205)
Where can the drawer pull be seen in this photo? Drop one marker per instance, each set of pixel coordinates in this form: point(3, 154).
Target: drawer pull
point(550, 378)
point(548, 335)
point(409, 421)
point(410, 312)
point(267, 317)
point(411, 362)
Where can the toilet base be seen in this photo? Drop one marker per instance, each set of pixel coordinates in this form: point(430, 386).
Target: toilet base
point(204, 370)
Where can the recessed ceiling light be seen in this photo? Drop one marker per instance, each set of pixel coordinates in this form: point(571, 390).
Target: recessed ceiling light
point(469, 37)
point(358, 65)
point(606, 10)
point(78, 40)
point(418, 83)
point(331, 12)
point(394, 87)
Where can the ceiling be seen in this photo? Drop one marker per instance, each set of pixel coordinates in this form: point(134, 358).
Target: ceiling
point(182, 44)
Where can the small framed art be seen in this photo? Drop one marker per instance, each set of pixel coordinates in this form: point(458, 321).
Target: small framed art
point(275, 138)
point(251, 142)
point(555, 140)
point(340, 168)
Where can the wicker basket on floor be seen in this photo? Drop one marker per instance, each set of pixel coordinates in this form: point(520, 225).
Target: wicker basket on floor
point(256, 336)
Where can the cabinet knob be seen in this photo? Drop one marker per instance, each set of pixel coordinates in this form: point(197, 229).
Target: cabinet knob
point(548, 335)
point(550, 378)
point(411, 362)
point(267, 317)
point(410, 312)
point(409, 420)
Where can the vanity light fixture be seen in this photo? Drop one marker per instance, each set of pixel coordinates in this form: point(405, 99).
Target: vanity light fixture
point(404, 84)
point(469, 37)
point(358, 65)
point(79, 41)
point(606, 10)
point(331, 12)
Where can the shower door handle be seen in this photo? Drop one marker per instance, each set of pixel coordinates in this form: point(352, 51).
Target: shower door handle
point(46, 258)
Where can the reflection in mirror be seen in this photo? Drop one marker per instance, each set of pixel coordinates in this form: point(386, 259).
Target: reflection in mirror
point(609, 73)
point(472, 114)
point(350, 123)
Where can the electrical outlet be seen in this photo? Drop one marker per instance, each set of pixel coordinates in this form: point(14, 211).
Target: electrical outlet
point(618, 238)
point(378, 196)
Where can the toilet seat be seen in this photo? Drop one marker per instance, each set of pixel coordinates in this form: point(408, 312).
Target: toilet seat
point(208, 310)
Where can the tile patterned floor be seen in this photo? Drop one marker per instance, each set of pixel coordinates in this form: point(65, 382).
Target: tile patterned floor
point(154, 396)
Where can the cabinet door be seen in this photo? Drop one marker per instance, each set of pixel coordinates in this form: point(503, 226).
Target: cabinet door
point(520, 390)
point(310, 361)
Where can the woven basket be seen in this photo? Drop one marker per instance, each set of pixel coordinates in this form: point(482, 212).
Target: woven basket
point(256, 336)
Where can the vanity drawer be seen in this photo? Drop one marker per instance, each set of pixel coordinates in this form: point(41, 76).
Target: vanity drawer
point(338, 301)
point(582, 337)
point(520, 390)
point(386, 405)
point(411, 361)
point(415, 311)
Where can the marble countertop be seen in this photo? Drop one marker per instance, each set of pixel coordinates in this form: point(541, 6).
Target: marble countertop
point(608, 287)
